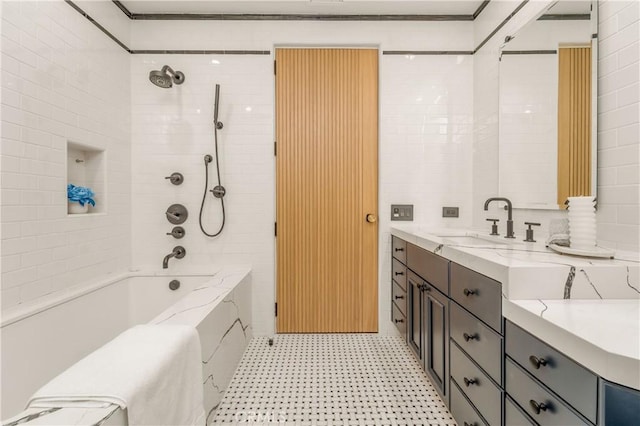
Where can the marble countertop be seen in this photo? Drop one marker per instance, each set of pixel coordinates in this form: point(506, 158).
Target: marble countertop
point(587, 308)
point(602, 335)
point(530, 270)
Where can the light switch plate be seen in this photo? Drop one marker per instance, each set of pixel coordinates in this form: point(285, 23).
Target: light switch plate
point(402, 212)
point(450, 212)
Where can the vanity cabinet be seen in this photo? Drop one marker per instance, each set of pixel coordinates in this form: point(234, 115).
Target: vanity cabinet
point(548, 386)
point(488, 370)
point(414, 312)
point(477, 344)
point(399, 285)
point(428, 314)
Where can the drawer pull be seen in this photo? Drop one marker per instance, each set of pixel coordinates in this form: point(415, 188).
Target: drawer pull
point(398, 273)
point(468, 337)
point(469, 382)
point(468, 292)
point(537, 362)
point(399, 249)
point(398, 320)
point(399, 297)
point(537, 407)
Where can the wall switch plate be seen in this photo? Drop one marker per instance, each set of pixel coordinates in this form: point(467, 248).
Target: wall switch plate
point(450, 212)
point(402, 212)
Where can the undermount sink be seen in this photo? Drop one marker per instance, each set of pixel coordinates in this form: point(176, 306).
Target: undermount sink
point(472, 240)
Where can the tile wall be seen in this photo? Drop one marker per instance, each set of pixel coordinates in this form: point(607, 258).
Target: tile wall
point(63, 81)
point(618, 213)
point(424, 147)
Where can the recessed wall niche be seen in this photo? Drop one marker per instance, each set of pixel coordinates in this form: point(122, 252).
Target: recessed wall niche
point(86, 166)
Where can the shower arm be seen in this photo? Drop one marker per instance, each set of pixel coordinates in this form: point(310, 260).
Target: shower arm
point(169, 69)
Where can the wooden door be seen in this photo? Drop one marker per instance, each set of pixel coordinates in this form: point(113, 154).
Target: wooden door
point(326, 185)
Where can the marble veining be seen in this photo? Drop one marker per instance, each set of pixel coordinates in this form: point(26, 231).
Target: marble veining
point(629, 283)
point(591, 283)
point(223, 322)
point(569, 283)
point(530, 270)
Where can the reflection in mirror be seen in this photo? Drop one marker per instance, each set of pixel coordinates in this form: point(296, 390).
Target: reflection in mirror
point(547, 108)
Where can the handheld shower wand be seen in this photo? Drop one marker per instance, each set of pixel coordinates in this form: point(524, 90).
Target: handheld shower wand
point(217, 123)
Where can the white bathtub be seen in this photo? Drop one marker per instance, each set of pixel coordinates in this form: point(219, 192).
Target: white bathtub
point(39, 342)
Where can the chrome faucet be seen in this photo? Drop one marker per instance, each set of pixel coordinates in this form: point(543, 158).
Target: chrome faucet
point(178, 252)
point(509, 209)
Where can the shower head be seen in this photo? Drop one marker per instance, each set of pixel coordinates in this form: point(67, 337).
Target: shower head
point(166, 77)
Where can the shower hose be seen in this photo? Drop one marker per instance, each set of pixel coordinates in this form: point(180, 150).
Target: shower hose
point(207, 160)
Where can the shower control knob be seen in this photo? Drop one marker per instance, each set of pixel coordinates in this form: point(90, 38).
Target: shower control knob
point(218, 191)
point(177, 214)
point(175, 178)
point(177, 232)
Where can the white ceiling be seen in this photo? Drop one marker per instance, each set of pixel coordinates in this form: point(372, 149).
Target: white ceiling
point(332, 7)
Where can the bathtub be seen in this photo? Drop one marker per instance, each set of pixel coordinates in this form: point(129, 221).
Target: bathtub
point(41, 341)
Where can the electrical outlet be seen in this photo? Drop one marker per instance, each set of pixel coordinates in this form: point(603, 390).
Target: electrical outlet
point(402, 212)
point(450, 212)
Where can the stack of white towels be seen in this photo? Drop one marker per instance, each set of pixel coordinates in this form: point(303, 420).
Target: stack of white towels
point(152, 371)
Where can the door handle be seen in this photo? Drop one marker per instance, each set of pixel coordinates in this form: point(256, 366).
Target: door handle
point(371, 218)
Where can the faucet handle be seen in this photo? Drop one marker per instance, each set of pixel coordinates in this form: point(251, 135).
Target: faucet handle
point(494, 226)
point(529, 232)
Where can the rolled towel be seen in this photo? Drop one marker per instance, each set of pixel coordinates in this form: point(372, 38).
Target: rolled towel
point(154, 371)
point(559, 240)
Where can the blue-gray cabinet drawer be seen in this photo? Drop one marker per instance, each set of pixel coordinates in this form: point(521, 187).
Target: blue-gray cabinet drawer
point(399, 273)
point(398, 319)
point(479, 294)
point(543, 407)
point(514, 416)
point(462, 410)
point(399, 249)
point(399, 297)
point(571, 381)
point(481, 343)
point(430, 267)
point(481, 391)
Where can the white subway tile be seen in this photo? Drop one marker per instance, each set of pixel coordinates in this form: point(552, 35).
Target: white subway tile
point(35, 289)
point(628, 55)
point(18, 277)
point(628, 175)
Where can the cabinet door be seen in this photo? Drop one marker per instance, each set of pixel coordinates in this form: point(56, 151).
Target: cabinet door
point(436, 337)
point(414, 314)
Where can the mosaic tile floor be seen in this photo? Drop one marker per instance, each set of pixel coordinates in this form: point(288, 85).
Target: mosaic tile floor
point(331, 379)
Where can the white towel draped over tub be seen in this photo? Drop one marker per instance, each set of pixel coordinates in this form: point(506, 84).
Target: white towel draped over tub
point(154, 371)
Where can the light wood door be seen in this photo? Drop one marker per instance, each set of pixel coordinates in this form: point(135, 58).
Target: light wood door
point(326, 185)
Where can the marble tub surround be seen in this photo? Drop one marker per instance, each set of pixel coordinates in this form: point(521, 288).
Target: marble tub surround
point(530, 270)
point(225, 330)
point(220, 310)
point(602, 335)
point(109, 415)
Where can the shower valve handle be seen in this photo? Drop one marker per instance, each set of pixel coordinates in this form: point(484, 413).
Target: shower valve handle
point(175, 178)
point(177, 214)
point(177, 232)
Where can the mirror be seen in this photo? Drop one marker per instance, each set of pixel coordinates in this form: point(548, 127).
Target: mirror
point(548, 113)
